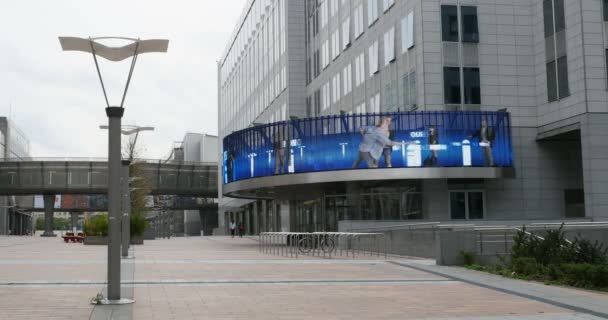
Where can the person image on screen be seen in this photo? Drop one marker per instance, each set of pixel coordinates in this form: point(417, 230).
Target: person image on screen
point(387, 151)
point(375, 138)
point(280, 146)
point(433, 139)
point(486, 138)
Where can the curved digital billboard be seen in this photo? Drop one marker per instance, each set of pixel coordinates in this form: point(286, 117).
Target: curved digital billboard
point(368, 141)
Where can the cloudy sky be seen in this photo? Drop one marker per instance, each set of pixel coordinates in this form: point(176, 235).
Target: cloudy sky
point(55, 97)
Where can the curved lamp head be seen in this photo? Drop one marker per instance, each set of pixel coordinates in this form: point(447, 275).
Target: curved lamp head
point(113, 53)
point(133, 49)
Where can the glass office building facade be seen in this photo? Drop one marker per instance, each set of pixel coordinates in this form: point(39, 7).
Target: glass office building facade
point(291, 112)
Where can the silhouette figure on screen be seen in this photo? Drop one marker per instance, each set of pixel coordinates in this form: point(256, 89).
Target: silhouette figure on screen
point(375, 139)
point(486, 135)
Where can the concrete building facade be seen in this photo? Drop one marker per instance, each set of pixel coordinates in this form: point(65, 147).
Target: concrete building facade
point(14, 144)
point(543, 61)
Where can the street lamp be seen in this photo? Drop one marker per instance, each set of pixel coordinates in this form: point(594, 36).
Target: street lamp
point(114, 113)
point(127, 130)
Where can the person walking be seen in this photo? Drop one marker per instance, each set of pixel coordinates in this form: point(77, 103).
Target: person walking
point(241, 229)
point(232, 228)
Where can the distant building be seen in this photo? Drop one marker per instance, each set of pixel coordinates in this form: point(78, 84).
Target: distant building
point(14, 144)
point(195, 147)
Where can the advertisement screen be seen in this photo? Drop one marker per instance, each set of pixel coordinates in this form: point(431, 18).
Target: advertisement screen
point(369, 141)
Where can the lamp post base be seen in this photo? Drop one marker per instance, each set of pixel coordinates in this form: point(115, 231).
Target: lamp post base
point(112, 302)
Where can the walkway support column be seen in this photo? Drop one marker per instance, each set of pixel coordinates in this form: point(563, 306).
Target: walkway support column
point(114, 213)
point(74, 221)
point(49, 203)
point(126, 208)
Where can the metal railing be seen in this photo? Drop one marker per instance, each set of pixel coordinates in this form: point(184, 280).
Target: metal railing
point(323, 244)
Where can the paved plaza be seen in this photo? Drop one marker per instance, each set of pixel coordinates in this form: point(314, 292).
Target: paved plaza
point(224, 278)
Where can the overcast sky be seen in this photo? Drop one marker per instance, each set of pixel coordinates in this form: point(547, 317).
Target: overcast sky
point(56, 97)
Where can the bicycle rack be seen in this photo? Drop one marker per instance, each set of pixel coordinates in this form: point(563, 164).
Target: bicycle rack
point(326, 245)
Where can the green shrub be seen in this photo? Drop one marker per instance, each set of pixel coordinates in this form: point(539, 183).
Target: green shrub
point(468, 257)
point(527, 267)
point(138, 224)
point(96, 225)
point(585, 251)
point(585, 275)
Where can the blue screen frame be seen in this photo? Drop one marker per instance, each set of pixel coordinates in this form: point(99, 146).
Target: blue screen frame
point(333, 143)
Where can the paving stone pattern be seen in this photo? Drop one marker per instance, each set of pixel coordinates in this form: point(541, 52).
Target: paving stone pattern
point(225, 278)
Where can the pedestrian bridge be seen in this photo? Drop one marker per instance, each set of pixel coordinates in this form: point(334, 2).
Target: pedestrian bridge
point(30, 176)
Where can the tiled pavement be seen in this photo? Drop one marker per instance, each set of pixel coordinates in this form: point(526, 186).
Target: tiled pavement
point(224, 278)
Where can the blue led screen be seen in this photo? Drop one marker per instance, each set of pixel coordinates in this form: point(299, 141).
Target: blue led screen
point(367, 141)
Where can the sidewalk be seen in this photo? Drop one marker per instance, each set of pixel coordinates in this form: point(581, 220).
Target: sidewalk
point(583, 301)
point(225, 278)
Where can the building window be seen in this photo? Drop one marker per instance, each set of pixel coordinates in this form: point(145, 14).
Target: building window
point(323, 13)
point(333, 7)
point(308, 73)
point(317, 64)
point(325, 54)
point(373, 58)
point(605, 9)
point(325, 101)
point(387, 4)
point(358, 14)
point(390, 101)
point(335, 44)
point(467, 205)
point(449, 23)
point(309, 107)
point(389, 46)
point(346, 33)
point(407, 32)
point(372, 12)
point(336, 83)
point(470, 32)
point(562, 77)
point(348, 81)
point(556, 55)
point(374, 103)
point(360, 108)
point(472, 86)
point(317, 101)
point(451, 85)
point(408, 83)
point(360, 69)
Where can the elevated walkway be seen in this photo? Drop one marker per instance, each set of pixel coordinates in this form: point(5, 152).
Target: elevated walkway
point(30, 176)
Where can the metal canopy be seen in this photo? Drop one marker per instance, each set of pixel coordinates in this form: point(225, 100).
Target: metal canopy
point(113, 53)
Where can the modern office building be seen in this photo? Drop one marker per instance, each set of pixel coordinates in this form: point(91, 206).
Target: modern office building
point(195, 147)
point(499, 112)
point(14, 145)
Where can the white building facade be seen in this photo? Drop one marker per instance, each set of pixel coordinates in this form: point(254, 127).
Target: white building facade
point(543, 61)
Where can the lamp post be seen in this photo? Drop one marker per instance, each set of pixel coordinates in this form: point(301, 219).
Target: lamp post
point(127, 130)
point(114, 113)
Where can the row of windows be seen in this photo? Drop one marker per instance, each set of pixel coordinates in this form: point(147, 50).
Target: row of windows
point(340, 86)
point(320, 59)
point(252, 69)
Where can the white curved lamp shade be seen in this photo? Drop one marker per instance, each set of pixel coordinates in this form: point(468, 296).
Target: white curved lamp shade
point(113, 53)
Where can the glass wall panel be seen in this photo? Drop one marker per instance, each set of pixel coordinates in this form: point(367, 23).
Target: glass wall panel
point(449, 23)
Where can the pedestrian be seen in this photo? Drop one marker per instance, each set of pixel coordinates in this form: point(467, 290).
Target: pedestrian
point(232, 228)
point(241, 229)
